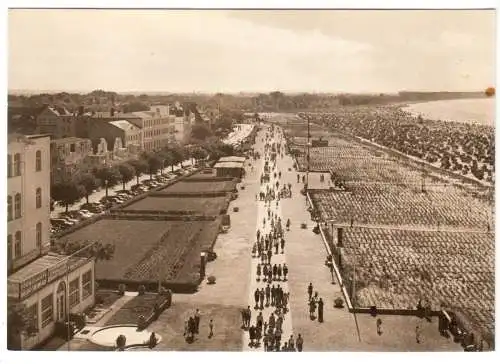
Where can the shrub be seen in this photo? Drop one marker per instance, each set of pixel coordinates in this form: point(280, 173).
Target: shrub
point(211, 279)
point(142, 290)
point(121, 289)
point(99, 300)
point(303, 225)
point(339, 302)
point(236, 209)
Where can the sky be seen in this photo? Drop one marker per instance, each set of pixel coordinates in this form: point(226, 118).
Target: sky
point(251, 50)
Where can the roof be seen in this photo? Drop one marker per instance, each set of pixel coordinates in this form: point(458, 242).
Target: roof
point(143, 114)
point(228, 165)
point(123, 124)
point(232, 159)
point(59, 111)
point(41, 264)
point(68, 140)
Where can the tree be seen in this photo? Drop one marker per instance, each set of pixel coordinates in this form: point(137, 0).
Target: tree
point(67, 192)
point(178, 155)
point(127, 172)
point(19, 321)
point(135, 106)
point(199, 153)
point(166, 156)
point(110, 174)
point(154, 162)
point(200, 132)
point(89, 183)
point(140, 167)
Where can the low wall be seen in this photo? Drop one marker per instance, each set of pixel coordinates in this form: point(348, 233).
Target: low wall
point(151, 286)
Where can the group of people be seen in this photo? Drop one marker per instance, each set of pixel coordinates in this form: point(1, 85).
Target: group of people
point(270, 242)
point(315, 302)
point(272, 273)
point(192, 326)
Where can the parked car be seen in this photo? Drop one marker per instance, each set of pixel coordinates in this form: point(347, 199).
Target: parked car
point(125, 192)
point(61, 223)
point(92, 207)
point(85, 213)
point(72, 216)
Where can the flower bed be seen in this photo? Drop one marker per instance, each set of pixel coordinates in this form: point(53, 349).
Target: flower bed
point(147, 250)
point(143, 305)
point(187, 205)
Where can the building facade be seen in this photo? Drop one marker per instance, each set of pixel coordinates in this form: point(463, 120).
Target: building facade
point(28, 198)
point(48, 286)
point(58, 122)
point(67, 154)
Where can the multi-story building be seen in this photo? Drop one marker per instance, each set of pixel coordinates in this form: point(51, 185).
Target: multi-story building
point(56, 121)
point(49, 286)
point(67, 154)
point(158, 127)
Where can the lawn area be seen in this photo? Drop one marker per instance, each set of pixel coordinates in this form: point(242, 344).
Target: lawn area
point(195, 205)
point(227, 333)
point(195, 185)
point(144, 249)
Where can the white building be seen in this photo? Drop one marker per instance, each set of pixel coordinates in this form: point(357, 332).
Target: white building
point(49, 286)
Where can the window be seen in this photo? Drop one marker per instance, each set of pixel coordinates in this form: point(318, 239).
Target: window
point(17, 164)
point(18, 245)
point(38, 161)
point(47, 310)
point(38, 198)
point(86, 284)
point(9, 165)
point(9, 247)
point(39, 235)
point(17, 206)
point(32, 317)
point(9, 208)
point(72, 147)
point(74, 292)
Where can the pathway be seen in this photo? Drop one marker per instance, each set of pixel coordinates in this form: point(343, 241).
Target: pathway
point(276, 259)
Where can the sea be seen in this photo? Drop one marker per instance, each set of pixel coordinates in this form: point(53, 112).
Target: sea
point(480, 111)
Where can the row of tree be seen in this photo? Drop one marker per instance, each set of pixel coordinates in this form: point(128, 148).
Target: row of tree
point(70, 190)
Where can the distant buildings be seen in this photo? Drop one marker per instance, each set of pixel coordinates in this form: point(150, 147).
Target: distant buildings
point(67, 154)
point(47, 285)
point(56, 121)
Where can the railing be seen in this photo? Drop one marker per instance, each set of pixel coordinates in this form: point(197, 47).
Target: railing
point(21, 290)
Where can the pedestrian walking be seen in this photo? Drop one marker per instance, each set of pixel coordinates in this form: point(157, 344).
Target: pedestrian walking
point(251, 333)
point(261, 298)
point(320, 310)
point(285, 271)
point(258, 272)
point(379, 326)
point(299, 342)
point(279, 272)
point(310, 290)
point(197, 321)
point(273, 295)
point(256, 296)
point(312, 309)
point(248, 316)
point(269, 255)
point(275, 271)
point(276, 246)
point(282, 245)
point(417, 334)
point(268, 294)
point(211, 328)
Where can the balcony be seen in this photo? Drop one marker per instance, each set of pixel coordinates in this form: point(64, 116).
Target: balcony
point(40, 273)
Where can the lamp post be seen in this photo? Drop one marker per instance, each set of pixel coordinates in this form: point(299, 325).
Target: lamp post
point(106, 185)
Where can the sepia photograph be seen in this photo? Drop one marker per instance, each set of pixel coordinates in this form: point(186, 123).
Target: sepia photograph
point(250, 180)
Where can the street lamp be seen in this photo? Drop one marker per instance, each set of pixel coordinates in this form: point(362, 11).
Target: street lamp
point(106, 185)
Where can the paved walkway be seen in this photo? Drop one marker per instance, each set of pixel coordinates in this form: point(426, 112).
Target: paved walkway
point(276, 259)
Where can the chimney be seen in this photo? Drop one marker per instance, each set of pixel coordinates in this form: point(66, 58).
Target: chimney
point(112, 111)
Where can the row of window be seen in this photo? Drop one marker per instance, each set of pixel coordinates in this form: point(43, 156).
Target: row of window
point(47, 303)
point(18, 243)
point(15, 212)
point(14, 165)
point(149, 123)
